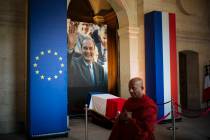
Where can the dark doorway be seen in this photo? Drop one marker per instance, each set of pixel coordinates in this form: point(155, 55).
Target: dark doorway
point(189, 80)
point(183, 79)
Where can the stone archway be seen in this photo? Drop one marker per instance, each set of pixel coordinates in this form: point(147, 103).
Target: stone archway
point(128, 53)
point(128, 42)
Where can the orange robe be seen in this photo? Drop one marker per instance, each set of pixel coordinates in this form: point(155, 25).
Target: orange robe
point(141, 125)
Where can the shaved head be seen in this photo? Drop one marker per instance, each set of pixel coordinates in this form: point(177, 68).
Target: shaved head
point(136, 79)
point(136, 87)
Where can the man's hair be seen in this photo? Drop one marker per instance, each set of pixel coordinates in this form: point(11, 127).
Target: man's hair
point(88, 39)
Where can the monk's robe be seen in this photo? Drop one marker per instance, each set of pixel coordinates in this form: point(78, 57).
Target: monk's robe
point(141, 125)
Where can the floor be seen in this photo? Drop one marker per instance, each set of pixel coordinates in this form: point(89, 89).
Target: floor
point(187, 129)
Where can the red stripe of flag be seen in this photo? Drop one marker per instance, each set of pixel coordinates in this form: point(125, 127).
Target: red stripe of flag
point(173, 58)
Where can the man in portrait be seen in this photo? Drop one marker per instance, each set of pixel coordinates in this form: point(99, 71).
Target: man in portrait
point(84, 70)
point(85, 75)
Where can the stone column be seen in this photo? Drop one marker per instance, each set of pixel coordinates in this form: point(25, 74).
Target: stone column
point(129, 57)
point(140, 16)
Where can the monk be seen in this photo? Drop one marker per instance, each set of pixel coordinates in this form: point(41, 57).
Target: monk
point(138, 118)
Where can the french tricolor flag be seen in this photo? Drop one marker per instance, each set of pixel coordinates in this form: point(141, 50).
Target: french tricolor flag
point(161, 59)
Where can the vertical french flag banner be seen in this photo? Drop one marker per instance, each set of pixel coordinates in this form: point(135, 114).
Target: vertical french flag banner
point(161, 59)
point(47, 70)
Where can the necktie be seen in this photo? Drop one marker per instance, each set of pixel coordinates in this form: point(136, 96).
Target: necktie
point(91, 74)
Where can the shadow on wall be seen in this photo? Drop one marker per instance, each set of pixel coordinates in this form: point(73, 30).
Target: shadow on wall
point(20, 59)
point(12, 65)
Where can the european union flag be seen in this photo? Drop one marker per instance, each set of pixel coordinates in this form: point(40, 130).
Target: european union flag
point(47, 75)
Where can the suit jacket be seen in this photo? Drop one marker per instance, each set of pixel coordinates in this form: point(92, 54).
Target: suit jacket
point(80, 83)
point(80, 74)
point(71, 55)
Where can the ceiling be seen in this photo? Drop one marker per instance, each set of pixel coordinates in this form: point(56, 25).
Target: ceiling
point(85, 10)
point(100, 5)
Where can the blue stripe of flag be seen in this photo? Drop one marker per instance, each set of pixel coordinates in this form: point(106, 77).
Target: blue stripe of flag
point(154, 59)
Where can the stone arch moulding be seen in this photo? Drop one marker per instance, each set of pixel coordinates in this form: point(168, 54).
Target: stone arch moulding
point(180, 6)
point(128, 43)
point(120, 7)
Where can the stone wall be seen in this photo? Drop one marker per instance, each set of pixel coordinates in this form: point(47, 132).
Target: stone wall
point(12, 64)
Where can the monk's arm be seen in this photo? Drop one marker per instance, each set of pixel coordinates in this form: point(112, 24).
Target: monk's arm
point(147, 124)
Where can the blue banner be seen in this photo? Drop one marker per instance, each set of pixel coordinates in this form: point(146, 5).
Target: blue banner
point(47, 63)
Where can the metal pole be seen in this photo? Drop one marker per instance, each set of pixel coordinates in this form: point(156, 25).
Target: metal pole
point(86, 122)
point(173, 119)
